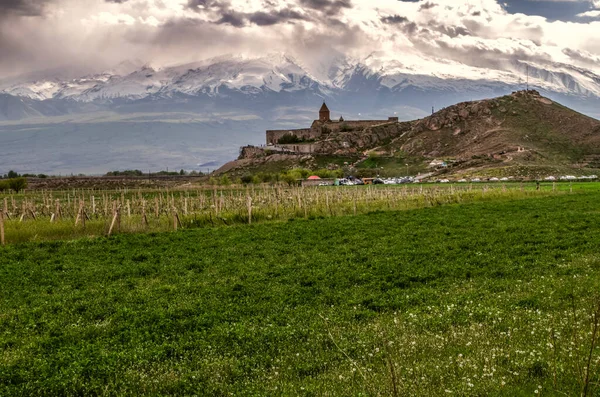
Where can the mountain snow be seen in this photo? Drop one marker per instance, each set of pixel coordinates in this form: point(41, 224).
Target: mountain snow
point(280, 73)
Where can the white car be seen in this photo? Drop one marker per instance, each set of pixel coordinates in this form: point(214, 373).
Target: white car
point(462, 181)
point(494, 179)
point(505, 179)
point(475, 180)
point(444, 181)
point(550, 178)
point(568, 178)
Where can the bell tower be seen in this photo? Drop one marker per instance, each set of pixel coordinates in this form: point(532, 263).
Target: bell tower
point(324, 114)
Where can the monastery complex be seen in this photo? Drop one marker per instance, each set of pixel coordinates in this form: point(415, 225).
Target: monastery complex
point(322, 127)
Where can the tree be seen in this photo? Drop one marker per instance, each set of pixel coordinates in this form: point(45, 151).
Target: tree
point(12, 174)
point(3, 186)
point(17, 184)
point(225, 181)
point(288, 139)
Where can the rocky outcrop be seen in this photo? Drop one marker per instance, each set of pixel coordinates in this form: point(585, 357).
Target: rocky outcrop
point(353, 142)
point(252, 152)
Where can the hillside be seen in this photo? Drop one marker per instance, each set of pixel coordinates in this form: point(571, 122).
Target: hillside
point(523, 128)
point(524, 134)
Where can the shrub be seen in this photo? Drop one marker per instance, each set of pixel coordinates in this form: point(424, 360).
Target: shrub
point(125, 173)
point(288, 139)
point(346, 128)
point(225, 181)
point(3, 186)
point(17, 184)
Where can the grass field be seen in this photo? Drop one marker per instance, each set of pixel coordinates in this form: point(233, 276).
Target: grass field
point(66, 215)
point(482, 298)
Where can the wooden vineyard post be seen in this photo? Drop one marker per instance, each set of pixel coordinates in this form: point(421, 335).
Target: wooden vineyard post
point(156, 206)
point(176, 220)
point(80, 215)
point(249, 204)
point(2, 242)
point(6, 208)
point(57, 212)
point(114, 220)
point(144, 218)
point(128, 209)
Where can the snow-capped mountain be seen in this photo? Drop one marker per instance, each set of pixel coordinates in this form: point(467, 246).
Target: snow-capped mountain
point(274, 73)
point(263, 83)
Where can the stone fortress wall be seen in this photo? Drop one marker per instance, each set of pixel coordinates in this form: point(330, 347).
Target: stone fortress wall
point(319, 128)
point(273, 136)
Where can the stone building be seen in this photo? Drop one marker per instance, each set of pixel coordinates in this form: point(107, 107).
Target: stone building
point(322, 127)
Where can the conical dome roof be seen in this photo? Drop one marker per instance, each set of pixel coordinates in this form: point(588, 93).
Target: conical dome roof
point(324, 108)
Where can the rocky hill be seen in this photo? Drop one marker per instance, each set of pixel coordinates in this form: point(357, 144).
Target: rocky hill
point(524, 130)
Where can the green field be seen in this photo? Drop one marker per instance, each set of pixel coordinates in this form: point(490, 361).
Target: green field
point(482, 298)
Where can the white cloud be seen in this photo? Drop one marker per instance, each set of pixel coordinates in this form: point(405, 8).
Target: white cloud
point(590, 14)
point(473, 32)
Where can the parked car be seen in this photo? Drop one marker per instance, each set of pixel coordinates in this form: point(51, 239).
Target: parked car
point(378, 181)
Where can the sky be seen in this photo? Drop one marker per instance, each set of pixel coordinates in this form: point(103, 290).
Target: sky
point(85, 36)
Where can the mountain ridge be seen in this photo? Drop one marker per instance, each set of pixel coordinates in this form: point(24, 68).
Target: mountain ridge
point(377, 78)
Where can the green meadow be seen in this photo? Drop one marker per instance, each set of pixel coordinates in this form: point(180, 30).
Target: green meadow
point(493, 297)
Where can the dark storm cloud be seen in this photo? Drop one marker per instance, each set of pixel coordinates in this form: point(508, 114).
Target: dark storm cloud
point(232, 18)
point(196, 4)
point(427, 6)
point(328, 7)
point(22, 7)
point(394, 19)
point(273, 18)
point(238, 19)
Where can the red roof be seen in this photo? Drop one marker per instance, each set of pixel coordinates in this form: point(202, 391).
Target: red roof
point(313, 177)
